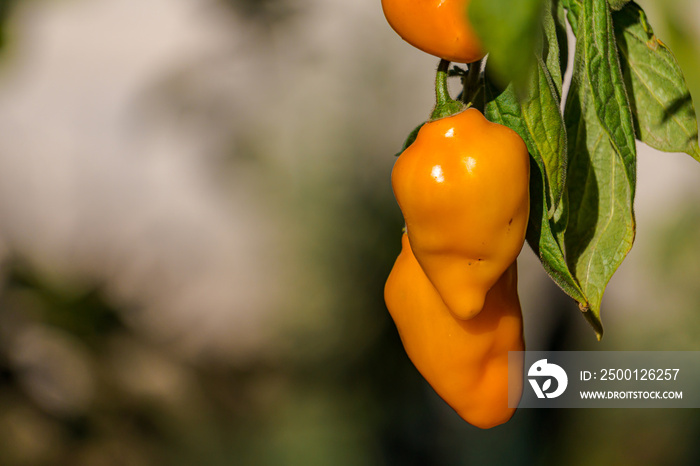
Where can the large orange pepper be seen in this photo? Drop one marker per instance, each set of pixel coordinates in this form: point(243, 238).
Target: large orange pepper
point(465, 361)
point(437, 27)
point(462, 186)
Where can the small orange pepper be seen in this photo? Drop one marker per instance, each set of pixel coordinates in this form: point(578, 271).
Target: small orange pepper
point(437, 27)
point(465, 361)
point(463, 189)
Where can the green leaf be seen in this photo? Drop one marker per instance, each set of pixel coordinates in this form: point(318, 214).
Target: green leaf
point(504, 108)
point(604, 74)
point(602, 159)
point(509, 30)
point(545, 125)
point(550, 46)
point(664, 111)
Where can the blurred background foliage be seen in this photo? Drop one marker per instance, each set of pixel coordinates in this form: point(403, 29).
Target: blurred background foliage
point(196, 223)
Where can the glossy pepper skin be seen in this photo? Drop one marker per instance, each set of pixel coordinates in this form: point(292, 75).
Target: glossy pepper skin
point(465, 361)
point(437, 27)
point(462, 187)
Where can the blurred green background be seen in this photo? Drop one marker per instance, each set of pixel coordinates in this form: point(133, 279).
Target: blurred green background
point(196, 223)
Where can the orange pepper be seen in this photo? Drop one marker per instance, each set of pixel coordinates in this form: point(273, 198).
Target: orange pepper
point(465, 361)
point(437, 27)
point(463, 188)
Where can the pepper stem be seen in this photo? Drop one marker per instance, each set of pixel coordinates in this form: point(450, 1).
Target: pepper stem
point(445, 106)
point(471, 85)
point(442, 93)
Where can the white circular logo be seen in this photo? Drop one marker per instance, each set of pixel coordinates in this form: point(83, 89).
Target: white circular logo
point(546, 372)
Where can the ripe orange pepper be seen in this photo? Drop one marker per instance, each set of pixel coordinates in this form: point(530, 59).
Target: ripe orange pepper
point(437, 27)
point(465, 361)
point(463, 188)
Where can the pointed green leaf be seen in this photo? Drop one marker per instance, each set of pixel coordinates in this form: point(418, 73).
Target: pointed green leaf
point(664, 111)
point(602, 159)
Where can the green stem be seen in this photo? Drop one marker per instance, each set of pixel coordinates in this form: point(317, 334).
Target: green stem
point(471, 82)
point(445, 106)
point(442, 92)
